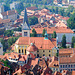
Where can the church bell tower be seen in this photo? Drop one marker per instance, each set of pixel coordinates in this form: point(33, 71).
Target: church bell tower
point(26, 26)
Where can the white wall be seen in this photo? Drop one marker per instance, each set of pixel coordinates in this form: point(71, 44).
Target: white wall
point(68, 37)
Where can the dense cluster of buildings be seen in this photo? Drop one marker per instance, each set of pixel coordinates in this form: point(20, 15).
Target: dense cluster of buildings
point(39, 55)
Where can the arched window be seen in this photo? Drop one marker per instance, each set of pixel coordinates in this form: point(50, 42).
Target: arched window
point(25, 51)
point(22, 50)
point(19, 51)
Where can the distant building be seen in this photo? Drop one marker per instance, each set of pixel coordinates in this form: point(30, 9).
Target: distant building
point(14, 5)
point(1, 49)
point(11, 14)
point(1, 8)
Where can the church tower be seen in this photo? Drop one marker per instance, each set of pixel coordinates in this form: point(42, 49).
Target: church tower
point(26, 26)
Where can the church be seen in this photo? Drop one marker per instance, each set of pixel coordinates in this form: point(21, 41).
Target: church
point(39, 46)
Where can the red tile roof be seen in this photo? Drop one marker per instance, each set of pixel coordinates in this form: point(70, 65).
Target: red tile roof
point(32, 48)
point(73, 72)
point(69, 59)
point(39, 42)
point(50, 30)
point(31, 8)
point(54, 62)
point(66, 51)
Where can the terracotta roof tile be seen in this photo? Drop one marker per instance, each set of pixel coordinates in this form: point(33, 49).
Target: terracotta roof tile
point(31, 8)
point(32, 48)
point(67, 51)
point(50, 30)
point(73, 72)
point(39, 42)
point(69, 59)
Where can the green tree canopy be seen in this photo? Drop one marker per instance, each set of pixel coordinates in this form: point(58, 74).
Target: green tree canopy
point(54, 34)
point(71, 22)
point(43, 34)
point(20, 8)
point(33, 20)
point(63, 42)
point(34, 34)
point(73, 42)
point(8, 33)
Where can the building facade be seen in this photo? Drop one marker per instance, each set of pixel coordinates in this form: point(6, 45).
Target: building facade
point(14, 5)
point(11, 14)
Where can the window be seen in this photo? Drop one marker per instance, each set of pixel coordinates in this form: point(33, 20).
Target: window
point(63, 66)
point(43, 54)
point(68, 69)
point(71, 69)
point(74, 65)
point(60, 66)
point(25, 33)
point(37, 50)
point(43, 51)
point(25, 51)
point(37, 55)
point(49, 51)
point(22, 50)
point(26, 46)
point(56, 69)
point(49, 55)
point(68, 65)
point(71, 65)
point(19, 51)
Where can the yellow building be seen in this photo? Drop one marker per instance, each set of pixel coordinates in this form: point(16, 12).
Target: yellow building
point(46, 47)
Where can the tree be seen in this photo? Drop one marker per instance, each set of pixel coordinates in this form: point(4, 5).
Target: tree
point(34, 34)
point(33, 20)
point(8, 33)
point(43, 34)
point(73, 42)
point(5, 46)
point(12, 41)
point(6, 7)
point(63, 42)
point(20, 8)
point(71, 22)
point(56, 10)
point(54, 34)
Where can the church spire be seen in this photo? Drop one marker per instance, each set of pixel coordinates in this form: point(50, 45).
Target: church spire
point(26, 25)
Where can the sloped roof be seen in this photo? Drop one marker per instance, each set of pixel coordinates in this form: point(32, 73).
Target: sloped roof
point(50, 30)
point(69, 59)
point(32, 48)
point(39, 42)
